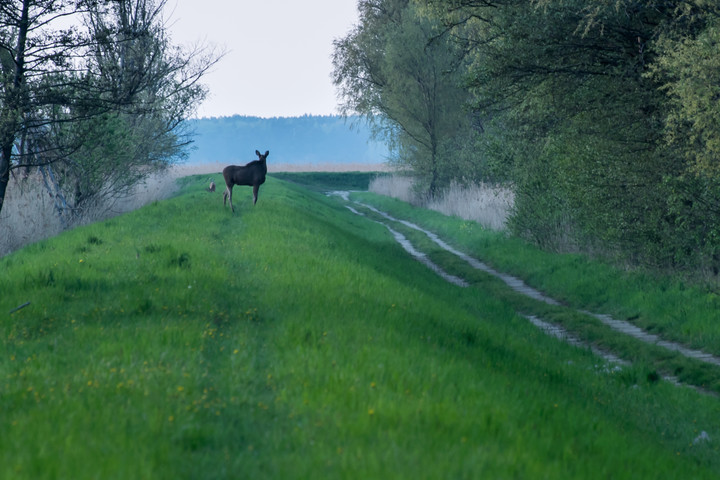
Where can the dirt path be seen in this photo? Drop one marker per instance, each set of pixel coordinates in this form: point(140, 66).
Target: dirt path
point(419, 256)
point(519, 286)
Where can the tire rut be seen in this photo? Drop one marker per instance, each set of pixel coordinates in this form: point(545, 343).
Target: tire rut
point(521, 287)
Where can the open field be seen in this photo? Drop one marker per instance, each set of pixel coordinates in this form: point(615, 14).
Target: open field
point(296, 339)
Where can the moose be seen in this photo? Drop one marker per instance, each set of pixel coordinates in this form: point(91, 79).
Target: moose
point(252, 174)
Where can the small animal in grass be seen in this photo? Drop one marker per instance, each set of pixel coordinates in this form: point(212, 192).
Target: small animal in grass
point(252, 174)
point(211, 188)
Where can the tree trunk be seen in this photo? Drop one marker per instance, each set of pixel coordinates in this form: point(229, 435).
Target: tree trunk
point(434, 174)
point(4, 176)
point(12, 110)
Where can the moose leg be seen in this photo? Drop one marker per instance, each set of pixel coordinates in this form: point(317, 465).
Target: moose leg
point(255, 193)
point(228, 195)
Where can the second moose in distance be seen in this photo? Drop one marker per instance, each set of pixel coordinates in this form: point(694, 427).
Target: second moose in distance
point(252, 174)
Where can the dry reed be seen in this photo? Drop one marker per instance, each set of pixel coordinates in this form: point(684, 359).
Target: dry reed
point(29, 215)
point(489, 205)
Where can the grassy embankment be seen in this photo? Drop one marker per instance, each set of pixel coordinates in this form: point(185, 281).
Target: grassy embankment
point(293, 340)
point(660, 305)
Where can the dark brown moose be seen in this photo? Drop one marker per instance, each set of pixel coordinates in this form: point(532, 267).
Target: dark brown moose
point(252, 174)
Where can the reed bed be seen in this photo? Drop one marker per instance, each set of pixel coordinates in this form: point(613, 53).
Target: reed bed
point(489, 205)
point(29, 215)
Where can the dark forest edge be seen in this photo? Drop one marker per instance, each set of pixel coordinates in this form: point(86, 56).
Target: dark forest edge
point(602, 118)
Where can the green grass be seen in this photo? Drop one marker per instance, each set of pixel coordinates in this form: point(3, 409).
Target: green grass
point(573, 279)
point(328, 181)
point(685, 313)
point(295, 339)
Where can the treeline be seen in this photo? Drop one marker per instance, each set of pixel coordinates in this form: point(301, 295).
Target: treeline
point(308, 139)
point(93, 96)
point(604, 115)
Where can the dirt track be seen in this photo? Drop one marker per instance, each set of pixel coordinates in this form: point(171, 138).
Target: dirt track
point(519, 286)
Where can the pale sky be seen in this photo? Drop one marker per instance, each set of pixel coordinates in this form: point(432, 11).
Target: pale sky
point(278, 60)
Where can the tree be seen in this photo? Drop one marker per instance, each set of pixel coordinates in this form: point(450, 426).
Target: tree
point(396, 66)
point(150, 86)
point(64, 88)
point(603, 114)
point(35, 62)
point(561, 86)
point(607, 114)
point(688, 66)
point(688, 71)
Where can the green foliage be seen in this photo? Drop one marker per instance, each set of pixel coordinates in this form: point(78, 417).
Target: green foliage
point(398, 66)
point(117, 152)
point(602, 115)
point(689, 67)
point(94, 95)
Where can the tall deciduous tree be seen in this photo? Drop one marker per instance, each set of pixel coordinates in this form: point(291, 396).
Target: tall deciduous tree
point(395, 65)
point(36, 60)
point(151, 87)
point(102, 103)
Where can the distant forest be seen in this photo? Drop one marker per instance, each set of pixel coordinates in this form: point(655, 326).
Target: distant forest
point(291, 140)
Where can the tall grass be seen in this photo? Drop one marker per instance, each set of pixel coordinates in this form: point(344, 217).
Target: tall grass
point(29, 215)
point(489, 205)
point(295, 339)
point(395, 186)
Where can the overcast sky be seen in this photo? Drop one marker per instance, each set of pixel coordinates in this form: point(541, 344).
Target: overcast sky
point(278, 52)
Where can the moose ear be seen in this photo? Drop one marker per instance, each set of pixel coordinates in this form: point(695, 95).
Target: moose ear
point(257, 153)
point(267, 153)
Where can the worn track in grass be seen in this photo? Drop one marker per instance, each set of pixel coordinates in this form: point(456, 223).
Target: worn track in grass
point(519, 286)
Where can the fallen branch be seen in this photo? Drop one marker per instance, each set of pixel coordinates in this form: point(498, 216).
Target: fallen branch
point(19, 308)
